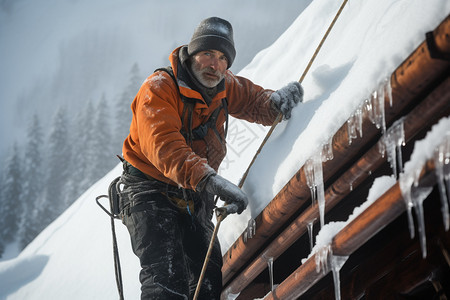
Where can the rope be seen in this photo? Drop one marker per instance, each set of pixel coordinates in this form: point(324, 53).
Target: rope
point(117, 268)
point(221, 215)
point(279, 117)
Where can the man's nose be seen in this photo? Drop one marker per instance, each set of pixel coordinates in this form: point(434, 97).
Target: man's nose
point(214, 63)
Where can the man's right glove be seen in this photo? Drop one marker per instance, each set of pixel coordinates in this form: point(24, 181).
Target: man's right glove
point(233, 196)
point(286, 98)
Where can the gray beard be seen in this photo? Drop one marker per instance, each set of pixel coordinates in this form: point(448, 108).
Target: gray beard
point(209, 83)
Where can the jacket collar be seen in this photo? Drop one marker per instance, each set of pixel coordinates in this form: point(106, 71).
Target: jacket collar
point(188, 84)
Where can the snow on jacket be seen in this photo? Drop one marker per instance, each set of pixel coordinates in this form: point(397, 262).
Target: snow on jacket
point(156, 145)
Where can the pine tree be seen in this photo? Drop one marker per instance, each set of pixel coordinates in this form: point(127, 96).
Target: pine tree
point(78, 166)
point(88, 151)
point(123, 113)
point(32, 190)
point(58, 172)
point(104, 154)
point(11, 205)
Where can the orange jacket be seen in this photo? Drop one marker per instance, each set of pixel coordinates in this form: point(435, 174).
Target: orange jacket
point(155, 144)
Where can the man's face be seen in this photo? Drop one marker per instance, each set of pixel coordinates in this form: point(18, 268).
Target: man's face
point(209, 67)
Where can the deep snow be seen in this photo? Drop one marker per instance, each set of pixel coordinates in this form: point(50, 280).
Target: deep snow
point(72, 258)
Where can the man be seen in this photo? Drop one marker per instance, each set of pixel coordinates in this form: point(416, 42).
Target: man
point(172, 154)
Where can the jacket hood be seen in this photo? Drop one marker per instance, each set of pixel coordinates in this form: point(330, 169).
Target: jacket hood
point(188, 84)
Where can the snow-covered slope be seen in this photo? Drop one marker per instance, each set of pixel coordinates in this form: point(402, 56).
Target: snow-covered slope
point(72, 258)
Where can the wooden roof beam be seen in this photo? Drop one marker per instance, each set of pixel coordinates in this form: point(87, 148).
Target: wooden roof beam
point(383, 211)
point(428, 112)
point(414, 76)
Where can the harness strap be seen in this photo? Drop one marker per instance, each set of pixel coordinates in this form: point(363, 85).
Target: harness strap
point(199, 132)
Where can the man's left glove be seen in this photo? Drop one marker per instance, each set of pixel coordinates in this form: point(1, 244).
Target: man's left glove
point(233, 196)
point(286, 98)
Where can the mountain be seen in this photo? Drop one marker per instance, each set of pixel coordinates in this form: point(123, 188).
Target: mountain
point(72, 258)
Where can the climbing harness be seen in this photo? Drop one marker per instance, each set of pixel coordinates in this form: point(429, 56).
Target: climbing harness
point(192, 134)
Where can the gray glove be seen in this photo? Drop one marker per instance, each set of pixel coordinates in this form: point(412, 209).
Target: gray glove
point(233, 196)
point(286, 98)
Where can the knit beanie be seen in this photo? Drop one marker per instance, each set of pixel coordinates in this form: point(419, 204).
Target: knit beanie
point(213, 34)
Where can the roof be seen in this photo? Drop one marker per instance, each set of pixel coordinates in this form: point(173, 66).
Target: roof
point(383, 258)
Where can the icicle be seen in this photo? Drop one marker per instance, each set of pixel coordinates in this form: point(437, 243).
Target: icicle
point(415, 199)
point(322, 259)
point(367, 107)
point(310, 227)
point(310, 181)
point(376, 114)
point(270, 266)
point(393, 140)
point(325, 260)
point(406, 181)
point(351, 129)
point(318, 182)
point(388, 90)
point(314, 179)
point(250, 231)
point(228, 295)
point(336, 264)
point(327, 150)
point(381, 119)
point(420, 195)
point(442, 164)
point(232, 296)
point(359, 120)
point(354, 123)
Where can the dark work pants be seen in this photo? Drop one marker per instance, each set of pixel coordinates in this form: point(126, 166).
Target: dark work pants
point(171, 246)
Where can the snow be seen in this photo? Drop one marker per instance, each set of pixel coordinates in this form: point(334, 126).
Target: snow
point(72, 258)
point(365, 45)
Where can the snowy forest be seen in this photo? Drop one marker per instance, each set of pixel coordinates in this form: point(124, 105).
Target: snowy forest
point(43, 178)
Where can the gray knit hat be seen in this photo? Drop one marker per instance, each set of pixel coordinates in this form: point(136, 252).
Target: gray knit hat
point(213, 34)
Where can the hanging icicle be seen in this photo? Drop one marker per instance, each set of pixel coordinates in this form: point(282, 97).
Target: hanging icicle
point(375, 108)
point(351, 129)
point(327, 150)
point(310, 181)
point(318, 181)
point(250, 231)
point(321, 259)
point(310, 226)
point(314, 180)
point(393, 140)
point(354, 124)
point(388, 90)
point(336, 264)
point(377, 115)
point(442, 169)
point(420, 194)
point(270, 267)
point(326, 261)
point(434, 146)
